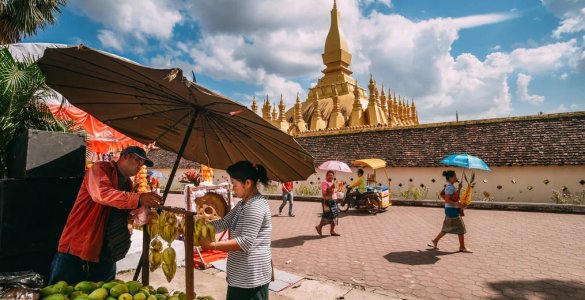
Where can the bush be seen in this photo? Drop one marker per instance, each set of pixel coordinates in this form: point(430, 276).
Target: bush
point(307, 190)
point(416, 193)
point(566, 197)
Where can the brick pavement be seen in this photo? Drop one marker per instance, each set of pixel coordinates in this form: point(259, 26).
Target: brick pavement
point(517, 255)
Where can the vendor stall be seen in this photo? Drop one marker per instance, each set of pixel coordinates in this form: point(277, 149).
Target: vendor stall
point(373, 184)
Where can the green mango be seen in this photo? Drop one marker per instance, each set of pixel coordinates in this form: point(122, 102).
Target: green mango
point(117, 280)
point(49, 290)
point(61, 285)
point(56, 297)
point(161, 297)
point(151, 297)
point(99, 284)
point(109, 285)
point(125, 296)
point(118, 290)
point(82, 297)
point(75, 294)
point(133, 287)
point(86, 286)
point(139, 296)
point(67, 290)
point(183, 296)
point(111, 298)
point(145, 291)
point(162, 290)
point(99, 294)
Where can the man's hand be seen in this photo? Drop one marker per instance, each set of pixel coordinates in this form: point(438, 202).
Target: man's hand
point(151, 199)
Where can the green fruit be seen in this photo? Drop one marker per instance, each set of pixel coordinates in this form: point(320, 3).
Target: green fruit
point(82, 297)
point(145, 291)
point(56, 297)
point(182, 296)
point(125, 296)
point(118, 290)
point(133, 287)
point(162, 290)
point(99, 284)
point(67, 290)
point(75, 294)
point(111, 298)
point(110, 285)
point(151, 297)
point(117, 280)
point(61, 285)
point(160, 297)
point(86, 286)
point(49, 290)
point(99, 294)
point(139, 296)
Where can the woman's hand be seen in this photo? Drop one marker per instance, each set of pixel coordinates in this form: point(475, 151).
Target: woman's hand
point(205, 243)
point(461, 205)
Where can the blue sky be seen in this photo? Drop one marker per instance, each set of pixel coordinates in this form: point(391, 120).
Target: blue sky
point(483, 59)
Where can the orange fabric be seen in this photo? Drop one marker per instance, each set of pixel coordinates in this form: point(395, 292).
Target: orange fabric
point(102, 138)
point(84, 231)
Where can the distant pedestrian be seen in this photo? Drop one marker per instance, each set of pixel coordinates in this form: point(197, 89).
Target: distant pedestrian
point(329, 205)
point(453, 222)
point(287, 196)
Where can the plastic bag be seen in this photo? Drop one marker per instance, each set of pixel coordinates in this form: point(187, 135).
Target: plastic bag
point(20, 285)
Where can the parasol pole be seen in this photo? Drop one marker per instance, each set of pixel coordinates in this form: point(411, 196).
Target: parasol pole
point(143, 262)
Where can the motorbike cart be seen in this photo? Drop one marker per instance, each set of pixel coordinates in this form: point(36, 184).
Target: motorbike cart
point(376, 198)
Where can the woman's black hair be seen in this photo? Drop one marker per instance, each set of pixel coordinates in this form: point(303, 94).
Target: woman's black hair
point(360, 172)
point(244, 170)
point(448, 174)
point(330, 172)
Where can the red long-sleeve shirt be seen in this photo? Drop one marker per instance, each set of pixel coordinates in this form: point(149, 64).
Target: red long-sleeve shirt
point(83, 234)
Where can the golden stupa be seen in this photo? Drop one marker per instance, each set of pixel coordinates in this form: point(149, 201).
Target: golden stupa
point(337, 103)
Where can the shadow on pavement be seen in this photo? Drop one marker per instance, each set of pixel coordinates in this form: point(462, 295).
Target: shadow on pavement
point(414, 258)
point(296, 241)
point(542, 289)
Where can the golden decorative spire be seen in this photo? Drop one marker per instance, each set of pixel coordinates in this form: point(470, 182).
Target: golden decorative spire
point(413, 113)
point(336, 56)
point(281, 108)
point(299, 121)
point(274, 113)
point(357, 115)
point(266, 109)
point(254, 105)
point(336, 120)
point(383, 101)
point(317, 122)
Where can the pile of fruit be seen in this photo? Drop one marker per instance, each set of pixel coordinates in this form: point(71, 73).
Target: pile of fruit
point(113, 290)
point(202, 230)
point(140, 181)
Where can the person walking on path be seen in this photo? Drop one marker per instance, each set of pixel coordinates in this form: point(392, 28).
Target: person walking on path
point(249, 263)
point(453, 222)
point(329, 205)
point(287, 196)
point(96, 234)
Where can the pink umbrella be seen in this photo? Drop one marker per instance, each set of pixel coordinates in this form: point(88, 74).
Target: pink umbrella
point(335, 165)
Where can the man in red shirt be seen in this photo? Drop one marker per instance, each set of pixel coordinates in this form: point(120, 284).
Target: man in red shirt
point(287, 196)
point(96, 234)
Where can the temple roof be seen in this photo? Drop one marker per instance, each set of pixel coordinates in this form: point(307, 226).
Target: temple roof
point(554, 139)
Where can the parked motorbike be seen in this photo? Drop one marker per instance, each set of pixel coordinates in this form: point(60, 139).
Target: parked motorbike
point(368, 200)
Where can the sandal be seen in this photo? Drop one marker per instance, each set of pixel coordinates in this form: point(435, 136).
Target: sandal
point(318, 230)
point(465, 250)
point(433, 245)
point(335, 234)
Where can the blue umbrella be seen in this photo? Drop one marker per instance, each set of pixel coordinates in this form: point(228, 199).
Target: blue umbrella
point(155, 174)
point(466, 161)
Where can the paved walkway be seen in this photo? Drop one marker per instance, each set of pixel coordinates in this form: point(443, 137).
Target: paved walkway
point(517, 255)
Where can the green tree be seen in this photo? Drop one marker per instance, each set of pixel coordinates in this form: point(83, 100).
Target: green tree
point(22, 18)
point(23, 95)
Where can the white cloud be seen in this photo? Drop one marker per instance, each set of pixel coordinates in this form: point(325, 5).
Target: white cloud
point(274, 86)
point(387, 3)
point(571, 13)
point(130, 19)
point(563, 108)
point(110, 40)
point(522, 90)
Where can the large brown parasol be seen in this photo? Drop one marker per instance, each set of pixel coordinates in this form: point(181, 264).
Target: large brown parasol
point(160, 105)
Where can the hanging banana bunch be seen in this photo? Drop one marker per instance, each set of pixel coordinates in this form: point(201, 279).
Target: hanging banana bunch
point(155, 257)
point(167, 226)
point(203, 230)
point(152, 227)
point(169, 263)
point(467, 194)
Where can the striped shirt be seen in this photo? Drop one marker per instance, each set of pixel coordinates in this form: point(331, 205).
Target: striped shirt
point(251, 227)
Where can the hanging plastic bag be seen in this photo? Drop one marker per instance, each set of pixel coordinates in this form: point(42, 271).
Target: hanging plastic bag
point(20, 285)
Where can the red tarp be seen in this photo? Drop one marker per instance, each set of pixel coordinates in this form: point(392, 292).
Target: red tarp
point(102, 138)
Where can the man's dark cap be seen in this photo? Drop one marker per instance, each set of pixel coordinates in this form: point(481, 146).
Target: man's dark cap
point(138, 151)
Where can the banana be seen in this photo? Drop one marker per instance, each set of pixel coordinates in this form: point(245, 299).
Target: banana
point(198, 226)
point(211, 231)
point(171, 219)
point(203, 231)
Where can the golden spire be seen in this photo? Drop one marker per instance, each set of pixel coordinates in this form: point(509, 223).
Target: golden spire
point(317, 122)
point(413, 113)
point(356, 117)
point(281, 108)
point(383, 101)
point(274, 113)
point(336, 56)
point(336, 120)
point(266, 109)
point(299, 121)
point(254, 105)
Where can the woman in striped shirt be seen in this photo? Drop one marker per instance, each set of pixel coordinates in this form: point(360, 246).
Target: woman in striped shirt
point(249, 267)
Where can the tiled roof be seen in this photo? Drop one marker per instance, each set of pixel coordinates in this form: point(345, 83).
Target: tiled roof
point(555, 139)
